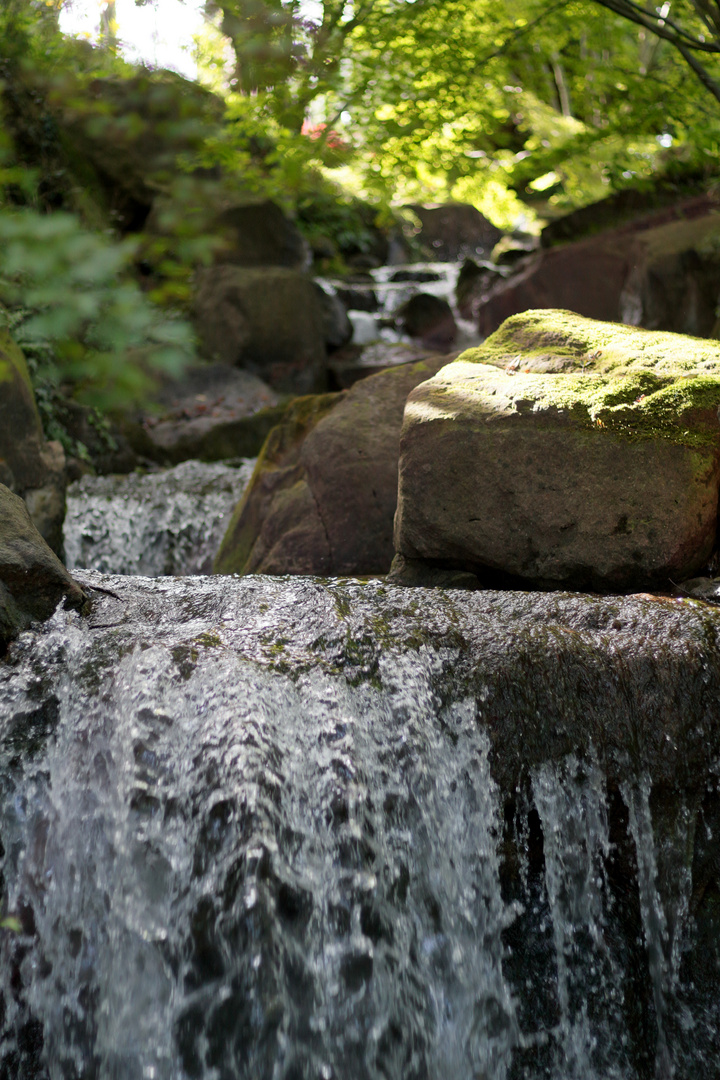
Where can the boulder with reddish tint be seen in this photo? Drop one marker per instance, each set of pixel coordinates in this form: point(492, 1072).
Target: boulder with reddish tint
point(324, 492)
point(661, 272)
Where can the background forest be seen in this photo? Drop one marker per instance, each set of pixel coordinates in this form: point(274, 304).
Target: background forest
point(342, 113)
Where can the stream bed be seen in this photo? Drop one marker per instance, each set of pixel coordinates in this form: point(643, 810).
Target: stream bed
point(296, 828)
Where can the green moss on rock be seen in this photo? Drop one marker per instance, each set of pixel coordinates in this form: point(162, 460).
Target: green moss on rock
point(549, 340)
point(635, 405)
point(299, 418)
point(16, 386)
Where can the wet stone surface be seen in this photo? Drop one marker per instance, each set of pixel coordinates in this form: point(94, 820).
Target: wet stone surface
point(312, 828)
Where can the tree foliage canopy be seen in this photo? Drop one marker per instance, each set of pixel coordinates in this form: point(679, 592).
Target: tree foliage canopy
point(560, 100)
point(515, 105)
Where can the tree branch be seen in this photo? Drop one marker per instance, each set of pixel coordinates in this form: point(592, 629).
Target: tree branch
point(666, 28)
point(628, 10)
point(521, 31)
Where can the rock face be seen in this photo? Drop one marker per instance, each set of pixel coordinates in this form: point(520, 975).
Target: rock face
point(454, 231)
point(602, 480)
point(659, 272)
point(267, 320)
point(210, 413)
point(29, 465)
point(324, 492)
point(32, 578)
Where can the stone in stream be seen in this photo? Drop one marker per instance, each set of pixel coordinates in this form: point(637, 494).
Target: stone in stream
point(473, 285)
point(324, 492)
point(428, 318)
point(267, 320)
point(211, 412)
point(33, 581)
point(337, 328)
point(454, 231)
point(591, 459)
point(263, 827)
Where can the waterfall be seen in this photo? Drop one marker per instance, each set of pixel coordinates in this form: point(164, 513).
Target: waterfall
point(259, 828)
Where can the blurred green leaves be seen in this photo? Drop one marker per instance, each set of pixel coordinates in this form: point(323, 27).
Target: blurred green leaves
point(105, 337)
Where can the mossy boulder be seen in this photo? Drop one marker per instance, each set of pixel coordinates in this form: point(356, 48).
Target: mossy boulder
point(555, 476)
point(267, 320)
point(32, 579)
point(29, 465)
point(324, 491)
point(130, 133)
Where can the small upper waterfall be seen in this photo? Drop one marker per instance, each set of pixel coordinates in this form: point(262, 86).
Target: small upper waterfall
point(153, 523)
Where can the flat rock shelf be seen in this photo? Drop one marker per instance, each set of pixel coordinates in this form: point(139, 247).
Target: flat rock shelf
point(272, 827)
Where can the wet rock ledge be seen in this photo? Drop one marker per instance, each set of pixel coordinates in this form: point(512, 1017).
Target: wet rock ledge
point(632, 680)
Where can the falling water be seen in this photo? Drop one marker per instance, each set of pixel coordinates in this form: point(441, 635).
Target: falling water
point(166, 522)
point(438, 279)
point(282, 828)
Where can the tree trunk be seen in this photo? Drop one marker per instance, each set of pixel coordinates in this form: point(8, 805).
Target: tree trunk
point(108, 25)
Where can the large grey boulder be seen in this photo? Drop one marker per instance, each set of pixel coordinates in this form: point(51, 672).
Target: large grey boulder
point(324, 492)
point(32, 579)
point(587, 480)
point(29, 465)
point(267, 320)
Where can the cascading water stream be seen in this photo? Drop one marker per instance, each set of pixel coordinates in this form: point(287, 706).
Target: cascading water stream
point(165, 522)
point(260, 828)
point(436, 278)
